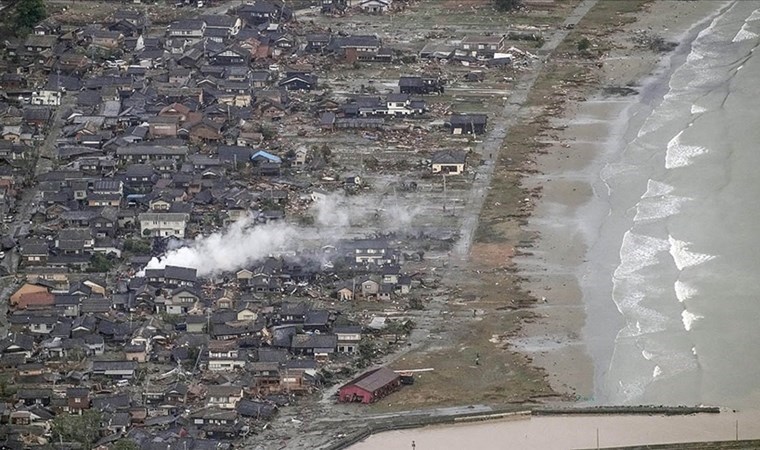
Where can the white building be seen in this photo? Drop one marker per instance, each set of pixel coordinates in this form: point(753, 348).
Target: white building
point(46, 98)
point(163, 224)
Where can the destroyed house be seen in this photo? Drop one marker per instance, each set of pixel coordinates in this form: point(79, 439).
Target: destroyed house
point(316, 43)
point(359, 48)
point(482, 46)
point(468, 123)
point(217, 423)
point(262, 11)
point(375, 6)
point(420, 85)
point(371, 251)
point(449, 162)
point(317, 345)
point(291, 313)
point(299, 81)
point(144, 153)
point(114, 369)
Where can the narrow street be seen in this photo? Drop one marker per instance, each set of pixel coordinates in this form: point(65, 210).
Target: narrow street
point(30, 196)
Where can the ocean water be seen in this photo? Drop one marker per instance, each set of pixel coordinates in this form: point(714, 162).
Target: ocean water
point(681, 238)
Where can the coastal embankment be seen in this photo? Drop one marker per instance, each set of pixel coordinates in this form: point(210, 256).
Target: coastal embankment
point(567, 428)
point(498, 415)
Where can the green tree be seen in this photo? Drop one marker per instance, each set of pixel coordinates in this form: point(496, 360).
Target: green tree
point(366, 352)
point(506, 5)
point(28, 14)
point(100, 263)
point(137, 246)
point(84, 429)
point(584, 44)
point(125, 444)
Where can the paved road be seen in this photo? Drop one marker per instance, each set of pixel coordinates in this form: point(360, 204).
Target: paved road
point(31, 196)
point(514, 110)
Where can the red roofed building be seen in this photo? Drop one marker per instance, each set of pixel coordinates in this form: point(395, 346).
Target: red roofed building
point(370, 386)
point(32, 296)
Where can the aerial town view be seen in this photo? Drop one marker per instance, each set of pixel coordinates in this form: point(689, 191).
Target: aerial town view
point(379, 224)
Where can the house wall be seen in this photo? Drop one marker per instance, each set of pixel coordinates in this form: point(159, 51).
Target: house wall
point(137, 356)
point(225, 365)
point(451, 169)
point(354, 394)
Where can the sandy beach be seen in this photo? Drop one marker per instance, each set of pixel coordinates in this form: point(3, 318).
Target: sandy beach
point(564, 216)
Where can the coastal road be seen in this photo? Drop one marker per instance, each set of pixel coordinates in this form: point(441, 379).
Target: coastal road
point(514, 110)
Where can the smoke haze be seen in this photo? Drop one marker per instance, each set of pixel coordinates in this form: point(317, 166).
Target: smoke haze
point(245, 242)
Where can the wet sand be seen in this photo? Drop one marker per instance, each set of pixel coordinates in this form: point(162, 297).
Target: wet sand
point(564, 218)
point(565, 432)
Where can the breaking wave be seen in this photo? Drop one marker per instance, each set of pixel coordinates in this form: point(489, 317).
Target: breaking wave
point(654, 209)
point(683, 257)
point(689, 319)
point(696, 109)
point(744, 34)
point(680, 154)
point(684, 291)
point(637, 252)
point(657, 188)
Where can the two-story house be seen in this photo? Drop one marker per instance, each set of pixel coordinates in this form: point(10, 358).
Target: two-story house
point(224, 397)
point(188, 29)
point(224, 355)
point(163, 224)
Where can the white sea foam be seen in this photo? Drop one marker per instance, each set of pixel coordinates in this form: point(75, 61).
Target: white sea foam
point(744, 34)
point(633, 389)
point(641, 319)
point(689, 319)
point(696, 109)
point(684, 258)
point(648, 356)
point(754, 16)
point(694, 55)
point(638, 251)
point(684, 291)
point(655, 209)
point(680, 154)
point(657, 372)
point(657, 188)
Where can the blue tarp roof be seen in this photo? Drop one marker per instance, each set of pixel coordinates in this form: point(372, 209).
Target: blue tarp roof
point(267, 155)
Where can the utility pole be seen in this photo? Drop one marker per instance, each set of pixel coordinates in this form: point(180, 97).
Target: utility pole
point(444, 192)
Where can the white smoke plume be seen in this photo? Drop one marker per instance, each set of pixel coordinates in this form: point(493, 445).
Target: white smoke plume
point(246, 242)
point(237, 246)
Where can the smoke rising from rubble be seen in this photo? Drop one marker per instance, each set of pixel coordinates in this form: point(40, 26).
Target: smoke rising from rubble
point(245, 242)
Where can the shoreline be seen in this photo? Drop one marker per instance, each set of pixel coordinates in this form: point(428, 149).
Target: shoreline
point(567, 340)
